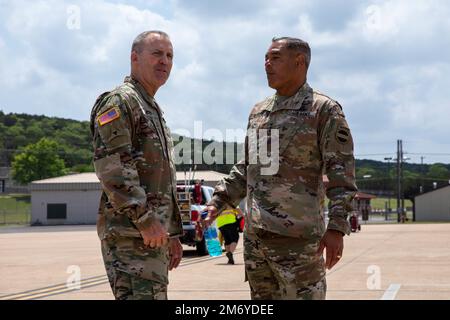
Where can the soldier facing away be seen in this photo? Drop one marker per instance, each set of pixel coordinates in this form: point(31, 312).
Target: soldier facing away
point(285, 232)
point(139, 220)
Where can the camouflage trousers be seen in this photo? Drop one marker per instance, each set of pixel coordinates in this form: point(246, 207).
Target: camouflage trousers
point(135, 272)
point(283, 268)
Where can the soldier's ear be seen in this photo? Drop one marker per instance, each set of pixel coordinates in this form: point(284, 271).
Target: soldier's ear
point(298, 59)
point(134, 56)
point(301, 59)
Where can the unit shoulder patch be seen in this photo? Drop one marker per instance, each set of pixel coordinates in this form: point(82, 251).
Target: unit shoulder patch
point(342, 134)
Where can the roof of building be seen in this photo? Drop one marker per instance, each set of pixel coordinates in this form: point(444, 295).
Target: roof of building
point(88, 177)
point(89, 181)
point(91, 177)
point(73, 182)
point(431, 191)
point(362, 195)
point(201, 175)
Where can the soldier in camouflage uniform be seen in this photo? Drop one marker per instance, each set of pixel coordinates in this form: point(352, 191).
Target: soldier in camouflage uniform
point(139, 220)
point(285, 231)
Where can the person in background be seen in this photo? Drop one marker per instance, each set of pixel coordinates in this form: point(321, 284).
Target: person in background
point(227, 223)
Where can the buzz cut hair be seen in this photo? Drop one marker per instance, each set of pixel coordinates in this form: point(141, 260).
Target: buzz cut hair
point(139, 41)
point(297, 45)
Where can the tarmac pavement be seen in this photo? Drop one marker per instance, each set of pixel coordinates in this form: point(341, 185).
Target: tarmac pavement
point(388, 261)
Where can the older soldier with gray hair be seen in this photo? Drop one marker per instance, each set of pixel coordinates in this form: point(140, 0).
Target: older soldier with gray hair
point(285, 231)
point(139, 219)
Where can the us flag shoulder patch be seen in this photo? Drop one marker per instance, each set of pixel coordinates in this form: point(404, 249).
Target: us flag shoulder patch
point(108, 116)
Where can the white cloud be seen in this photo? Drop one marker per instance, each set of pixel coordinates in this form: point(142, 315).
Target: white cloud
point(386, 62)
point(64, 69)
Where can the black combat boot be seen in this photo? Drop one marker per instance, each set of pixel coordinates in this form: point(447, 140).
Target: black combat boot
point(230, 258)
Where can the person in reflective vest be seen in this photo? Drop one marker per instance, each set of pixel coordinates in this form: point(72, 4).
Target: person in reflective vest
point(227, 222)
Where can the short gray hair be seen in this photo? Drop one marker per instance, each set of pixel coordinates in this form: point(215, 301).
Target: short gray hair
point(138, 42)
point(297, 45)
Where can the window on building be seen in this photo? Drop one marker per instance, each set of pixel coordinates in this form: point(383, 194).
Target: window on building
point(56, 210)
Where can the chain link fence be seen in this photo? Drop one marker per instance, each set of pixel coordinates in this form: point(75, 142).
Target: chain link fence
point(15, 209)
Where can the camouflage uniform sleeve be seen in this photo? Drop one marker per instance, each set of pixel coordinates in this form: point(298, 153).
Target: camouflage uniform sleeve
point(336, 146)
point(233, 188)
point(115, 163)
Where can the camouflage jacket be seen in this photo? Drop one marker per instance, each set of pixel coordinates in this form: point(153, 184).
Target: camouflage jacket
point(314, 140)
point(133, 159)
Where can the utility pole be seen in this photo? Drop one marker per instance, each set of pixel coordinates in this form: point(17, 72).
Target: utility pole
point(421, 185)
point(401, 215)
point(399, 178)
point(389, 182)
point(402, 159)
point(421, 174)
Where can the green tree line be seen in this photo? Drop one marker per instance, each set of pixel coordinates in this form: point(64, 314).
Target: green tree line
point(72, 138)
point(417, 178)
point(27, 140)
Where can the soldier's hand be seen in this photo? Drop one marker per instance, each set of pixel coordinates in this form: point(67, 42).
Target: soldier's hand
point(333, 241)
point(212, 214)
point(155, 235)
point(175, 253)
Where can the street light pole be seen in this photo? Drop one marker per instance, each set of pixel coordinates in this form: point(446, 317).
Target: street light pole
point(399, 188)
point(389, 180)
point(421, 174)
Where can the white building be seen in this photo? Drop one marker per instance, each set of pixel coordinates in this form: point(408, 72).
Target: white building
point(433, 205)
point(74, 199)
point(71, 199)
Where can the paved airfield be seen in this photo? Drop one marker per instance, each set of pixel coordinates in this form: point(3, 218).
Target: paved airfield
point(381, 262)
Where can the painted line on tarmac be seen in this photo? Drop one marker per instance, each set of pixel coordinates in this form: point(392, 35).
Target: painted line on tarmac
point(85, 283)
point(62, 287)
point(208, 290)
point(55, 286)
point(62, 291)
point(391, 292)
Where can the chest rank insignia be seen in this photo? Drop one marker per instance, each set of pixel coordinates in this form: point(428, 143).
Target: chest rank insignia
point(108, 116)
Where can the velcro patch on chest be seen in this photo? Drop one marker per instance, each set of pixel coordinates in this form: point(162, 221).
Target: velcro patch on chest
point(307, 114)
point(108, 116)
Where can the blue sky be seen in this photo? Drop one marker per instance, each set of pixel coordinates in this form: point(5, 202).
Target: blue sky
point(386, 62)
